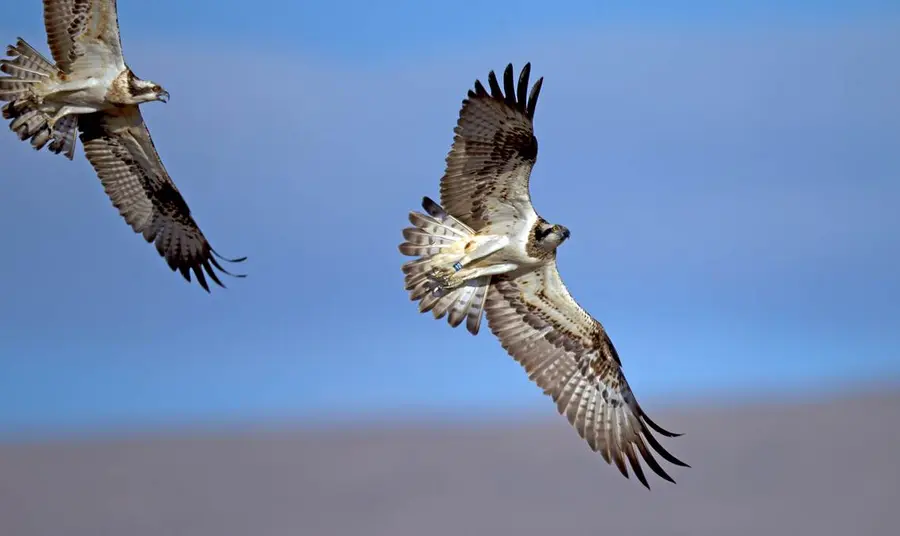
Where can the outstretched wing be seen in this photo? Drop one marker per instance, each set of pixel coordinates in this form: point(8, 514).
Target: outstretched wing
point(122, 153)
point(569, 355)
point(83, 34)
point(493, 152)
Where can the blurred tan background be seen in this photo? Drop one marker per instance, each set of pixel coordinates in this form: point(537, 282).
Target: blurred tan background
point(822, 467)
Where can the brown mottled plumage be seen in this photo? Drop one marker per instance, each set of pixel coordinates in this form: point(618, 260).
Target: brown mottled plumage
point(119, 147)
point(485, 239)
point(90, 88)
point(74, 25)
point(494, 142)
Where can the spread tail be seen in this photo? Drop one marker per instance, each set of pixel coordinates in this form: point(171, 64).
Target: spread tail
point(28, 73)
point(438, 240)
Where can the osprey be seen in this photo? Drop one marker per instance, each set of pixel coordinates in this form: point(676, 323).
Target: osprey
point(91, 89)
point(485, 248)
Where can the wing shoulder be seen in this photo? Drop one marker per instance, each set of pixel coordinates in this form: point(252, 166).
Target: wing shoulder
point(568, 353)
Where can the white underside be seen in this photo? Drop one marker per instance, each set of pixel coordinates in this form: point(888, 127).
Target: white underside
point(496, 254)
point(81, 95)
point(516, 236)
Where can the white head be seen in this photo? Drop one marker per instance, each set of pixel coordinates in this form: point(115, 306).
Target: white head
point(549, 236)
point(145, 90)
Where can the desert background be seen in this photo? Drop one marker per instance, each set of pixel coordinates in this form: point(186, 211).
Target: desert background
point(823, 466)
point(729, 173)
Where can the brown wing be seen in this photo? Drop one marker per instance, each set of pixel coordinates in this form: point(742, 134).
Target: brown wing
point(493, 152)
point(83, 32)
point(122, 153)
point(569, 355)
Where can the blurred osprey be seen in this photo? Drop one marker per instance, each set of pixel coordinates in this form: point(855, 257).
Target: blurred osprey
point(90, 88)
point(487, 249)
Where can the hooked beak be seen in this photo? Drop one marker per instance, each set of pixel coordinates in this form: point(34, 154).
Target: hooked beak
point(163, 96)
point(565, 234)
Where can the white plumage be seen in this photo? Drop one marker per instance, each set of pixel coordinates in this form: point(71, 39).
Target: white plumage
point(486, 239)
point(91, 89)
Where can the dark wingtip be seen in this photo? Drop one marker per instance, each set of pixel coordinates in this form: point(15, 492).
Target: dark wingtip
point(479, 90)
point(206, 269)
point(662, 451)
point(226, 259)
point(659, 429)
point(223, 270)
point(514, 95)
point(496, 92)
point(509, 87)
point(522, 88)
point(533, 98)
point(652, 463)
point(198, 272)
point(636, 466)
point(432, 208)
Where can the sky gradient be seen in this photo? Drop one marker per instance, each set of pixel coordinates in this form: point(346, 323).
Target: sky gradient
point(729, 175)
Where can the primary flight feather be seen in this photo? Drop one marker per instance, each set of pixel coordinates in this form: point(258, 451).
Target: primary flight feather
point(485, 250)
point(91, 89)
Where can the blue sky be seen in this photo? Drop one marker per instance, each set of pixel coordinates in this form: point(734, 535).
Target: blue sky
point(728, 170)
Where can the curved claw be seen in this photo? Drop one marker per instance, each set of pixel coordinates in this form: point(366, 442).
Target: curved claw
point(443, 279)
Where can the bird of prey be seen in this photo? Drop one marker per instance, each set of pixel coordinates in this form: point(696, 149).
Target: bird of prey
point(485, 248)
point(91, 89)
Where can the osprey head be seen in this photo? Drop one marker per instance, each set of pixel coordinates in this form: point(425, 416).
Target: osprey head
point(145, 90)
point(550, 236)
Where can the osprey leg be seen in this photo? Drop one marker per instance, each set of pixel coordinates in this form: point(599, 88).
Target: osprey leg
point(448, 279)
point(66, 110)
point(480, 247)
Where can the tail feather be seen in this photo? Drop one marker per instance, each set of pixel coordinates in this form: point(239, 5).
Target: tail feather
point(27, 124)
point(26, 57)
point(431, 235)
point(20, 74)
point(26, 68)
point(435, 239)
point(64, 136)
point(28, 73)
point(476, 306)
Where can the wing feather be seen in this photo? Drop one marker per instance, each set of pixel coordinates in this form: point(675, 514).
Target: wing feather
point(120, 149)
point(569, 355)
point(494, 150)
point(83, 34)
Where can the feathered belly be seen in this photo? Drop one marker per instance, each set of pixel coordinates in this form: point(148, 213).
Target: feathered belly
point(91, 98)
point(88, 94)
point(515, 251)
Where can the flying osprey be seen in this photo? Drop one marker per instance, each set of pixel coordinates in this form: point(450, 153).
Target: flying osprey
point(91, 89)
point(486, 249)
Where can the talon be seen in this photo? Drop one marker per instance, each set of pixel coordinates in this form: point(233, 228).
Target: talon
point(444, 278)
point(34, 98)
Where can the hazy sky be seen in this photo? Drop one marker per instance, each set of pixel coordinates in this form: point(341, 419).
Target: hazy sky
point(730, 176)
